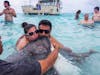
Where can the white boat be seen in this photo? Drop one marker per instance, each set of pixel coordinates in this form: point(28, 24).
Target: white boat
point(50, 7)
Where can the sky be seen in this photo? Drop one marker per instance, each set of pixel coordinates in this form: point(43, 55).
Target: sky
point(67, 5)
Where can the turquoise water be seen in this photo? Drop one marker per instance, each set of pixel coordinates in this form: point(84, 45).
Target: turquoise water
point(66, 30)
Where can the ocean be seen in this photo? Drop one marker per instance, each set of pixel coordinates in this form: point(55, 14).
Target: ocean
point(66, 30)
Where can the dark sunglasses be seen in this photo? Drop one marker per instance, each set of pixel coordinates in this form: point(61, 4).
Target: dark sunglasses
point(46, 31)
point(32, 33)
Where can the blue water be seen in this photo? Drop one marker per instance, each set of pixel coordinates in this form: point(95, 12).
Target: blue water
point(65, 29)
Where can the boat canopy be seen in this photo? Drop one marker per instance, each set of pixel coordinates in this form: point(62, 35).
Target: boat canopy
point(48, 1)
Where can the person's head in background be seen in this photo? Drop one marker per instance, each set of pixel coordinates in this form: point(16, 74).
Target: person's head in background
point(77, 14)
point(86, 16)
point(96, 9)
point(24, 24)
point(6, 4)
point(31, 32)
point(45, 27)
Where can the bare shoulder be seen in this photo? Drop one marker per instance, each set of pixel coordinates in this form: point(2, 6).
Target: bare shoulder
point(21, 43)
point(4, 10)
point(52, 38)
point(12, 9)
point(22, 37)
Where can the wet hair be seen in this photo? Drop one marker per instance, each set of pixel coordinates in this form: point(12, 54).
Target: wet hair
point(45, 23)
point(7, 2)
point(24, 24)
point(26, 29)
point(86, 14)
point(78, 12)
point(97, 8)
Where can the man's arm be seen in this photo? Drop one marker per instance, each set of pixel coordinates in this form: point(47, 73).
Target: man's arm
point(13, 13)
point(49, 61)
point(57, 44)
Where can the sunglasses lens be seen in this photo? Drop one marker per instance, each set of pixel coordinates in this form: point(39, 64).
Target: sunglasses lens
point(46, 31)
point(31, 33)
point(41, 31)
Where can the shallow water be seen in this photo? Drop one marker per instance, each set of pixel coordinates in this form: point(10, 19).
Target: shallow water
point(66, 30)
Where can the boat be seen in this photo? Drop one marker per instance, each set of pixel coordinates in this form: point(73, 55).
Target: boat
point(48, 7)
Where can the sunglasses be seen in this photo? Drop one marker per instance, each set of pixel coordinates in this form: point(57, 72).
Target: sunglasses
point(46, 31)
point(32, 33)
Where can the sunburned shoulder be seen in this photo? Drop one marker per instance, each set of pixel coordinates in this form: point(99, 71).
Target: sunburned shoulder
point(10, 9)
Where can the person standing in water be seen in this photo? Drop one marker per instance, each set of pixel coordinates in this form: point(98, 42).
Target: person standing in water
point(96, 16)
point(87, 21)
point(8, 11)
point(77, 14)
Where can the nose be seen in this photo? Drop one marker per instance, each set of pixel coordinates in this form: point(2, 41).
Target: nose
point(43, 33)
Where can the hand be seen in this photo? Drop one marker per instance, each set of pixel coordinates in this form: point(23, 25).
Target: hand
point(57, 47)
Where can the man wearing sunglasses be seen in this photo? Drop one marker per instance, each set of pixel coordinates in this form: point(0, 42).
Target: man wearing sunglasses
point(65, 54)
point(45, 28)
